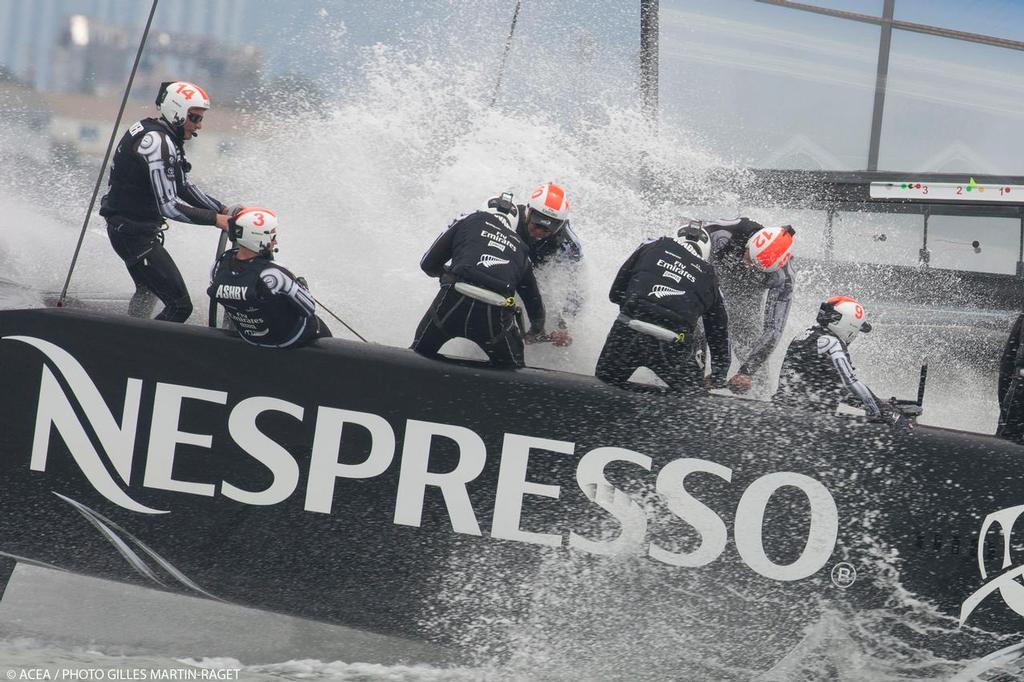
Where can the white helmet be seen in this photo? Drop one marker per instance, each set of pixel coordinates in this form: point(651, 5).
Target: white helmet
point(175, 99)
point(770, 248)
point(694, 238)
point(254, 229)
point(549, 207)
point(503, 207)
point(844, 317)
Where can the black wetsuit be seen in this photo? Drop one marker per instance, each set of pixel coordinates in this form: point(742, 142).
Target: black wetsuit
point(268, 305)
point(148, 183)
point(666, 284)
point(485, 252)
point(756, 329)
point(817, 375)
point(563, 253)
point(1011, 386)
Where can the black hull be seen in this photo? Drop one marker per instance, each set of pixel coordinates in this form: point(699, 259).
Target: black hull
point(454, 493)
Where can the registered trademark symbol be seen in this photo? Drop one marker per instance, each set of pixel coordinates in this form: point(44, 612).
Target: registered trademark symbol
point(843, 575)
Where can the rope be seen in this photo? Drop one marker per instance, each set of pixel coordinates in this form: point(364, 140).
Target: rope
point(508, 48)
point(329, 312)
point(106, 157)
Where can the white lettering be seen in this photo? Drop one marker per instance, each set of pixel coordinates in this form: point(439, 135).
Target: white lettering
point(283, 467)
point(630, 515)
point(713, 533)
point(821, 538)
point(513, 486)
point(324, 466)
point(164, 437)
point(414, 476)
point(55, 409)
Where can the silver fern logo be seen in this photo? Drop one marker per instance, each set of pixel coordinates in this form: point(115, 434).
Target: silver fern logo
point(661, 291)
point(1008, 583)
point(135, 550)
point(487, 260)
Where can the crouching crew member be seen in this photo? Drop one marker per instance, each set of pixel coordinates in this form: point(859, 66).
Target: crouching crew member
point(817, 373)
point(488, 265)
point(757, 277)
point(269, 306)
point(663, 290)
point(553, 247)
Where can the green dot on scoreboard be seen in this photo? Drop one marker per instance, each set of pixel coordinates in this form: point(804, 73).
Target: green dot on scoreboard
point(903, 186)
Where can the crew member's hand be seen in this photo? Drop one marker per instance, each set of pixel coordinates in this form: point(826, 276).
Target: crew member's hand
point(560, 338)
point(531, 337)
point(222, 221)
point(740, 383)
point(233, 210)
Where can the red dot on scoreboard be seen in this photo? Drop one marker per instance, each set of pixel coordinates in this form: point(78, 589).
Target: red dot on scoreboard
point(917, 186)
point(1006, 189)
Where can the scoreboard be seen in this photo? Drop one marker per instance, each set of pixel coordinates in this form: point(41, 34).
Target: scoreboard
point(970, 191)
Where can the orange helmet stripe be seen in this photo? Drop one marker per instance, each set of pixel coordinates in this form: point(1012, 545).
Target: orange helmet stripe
point(555, 197)
point(778, 248)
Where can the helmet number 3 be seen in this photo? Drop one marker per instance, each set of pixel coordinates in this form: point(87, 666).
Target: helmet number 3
point(858, 312)
point(258, 222)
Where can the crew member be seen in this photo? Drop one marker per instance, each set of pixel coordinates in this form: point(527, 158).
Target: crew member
point(544, 225)
point(269, 306)
point(817, 373)
point(1011, 386)
point(148, 184)
point(488, 265)
point(663, 290)
point(758, 280)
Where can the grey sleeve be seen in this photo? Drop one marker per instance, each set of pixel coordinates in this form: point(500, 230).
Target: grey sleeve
point(280, 283)
point(158, 152)
point(860, 395)
point(198, 197)
point(776, 314)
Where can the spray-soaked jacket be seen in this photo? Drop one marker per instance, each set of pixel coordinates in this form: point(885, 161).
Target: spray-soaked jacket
point(485, 252)
point(665, 284)
point(817, 374)
point(562, 251)
point(744, 287)
point(267, 303)
point(149, 180)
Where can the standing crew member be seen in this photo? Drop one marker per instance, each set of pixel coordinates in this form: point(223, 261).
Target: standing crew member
point(148, 184)
point(662, 290)
point(754, 264)
point(269, 306)
point(488, 266)
point(544, 225)
point(817, 373)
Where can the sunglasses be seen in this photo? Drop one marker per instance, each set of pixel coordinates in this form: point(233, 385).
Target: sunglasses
point(543, 222)
point(195, 118)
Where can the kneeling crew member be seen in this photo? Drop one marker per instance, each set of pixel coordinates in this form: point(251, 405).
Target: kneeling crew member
point(489, 265)
point(663, 289)
point(269, 306)
point(817, 373)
